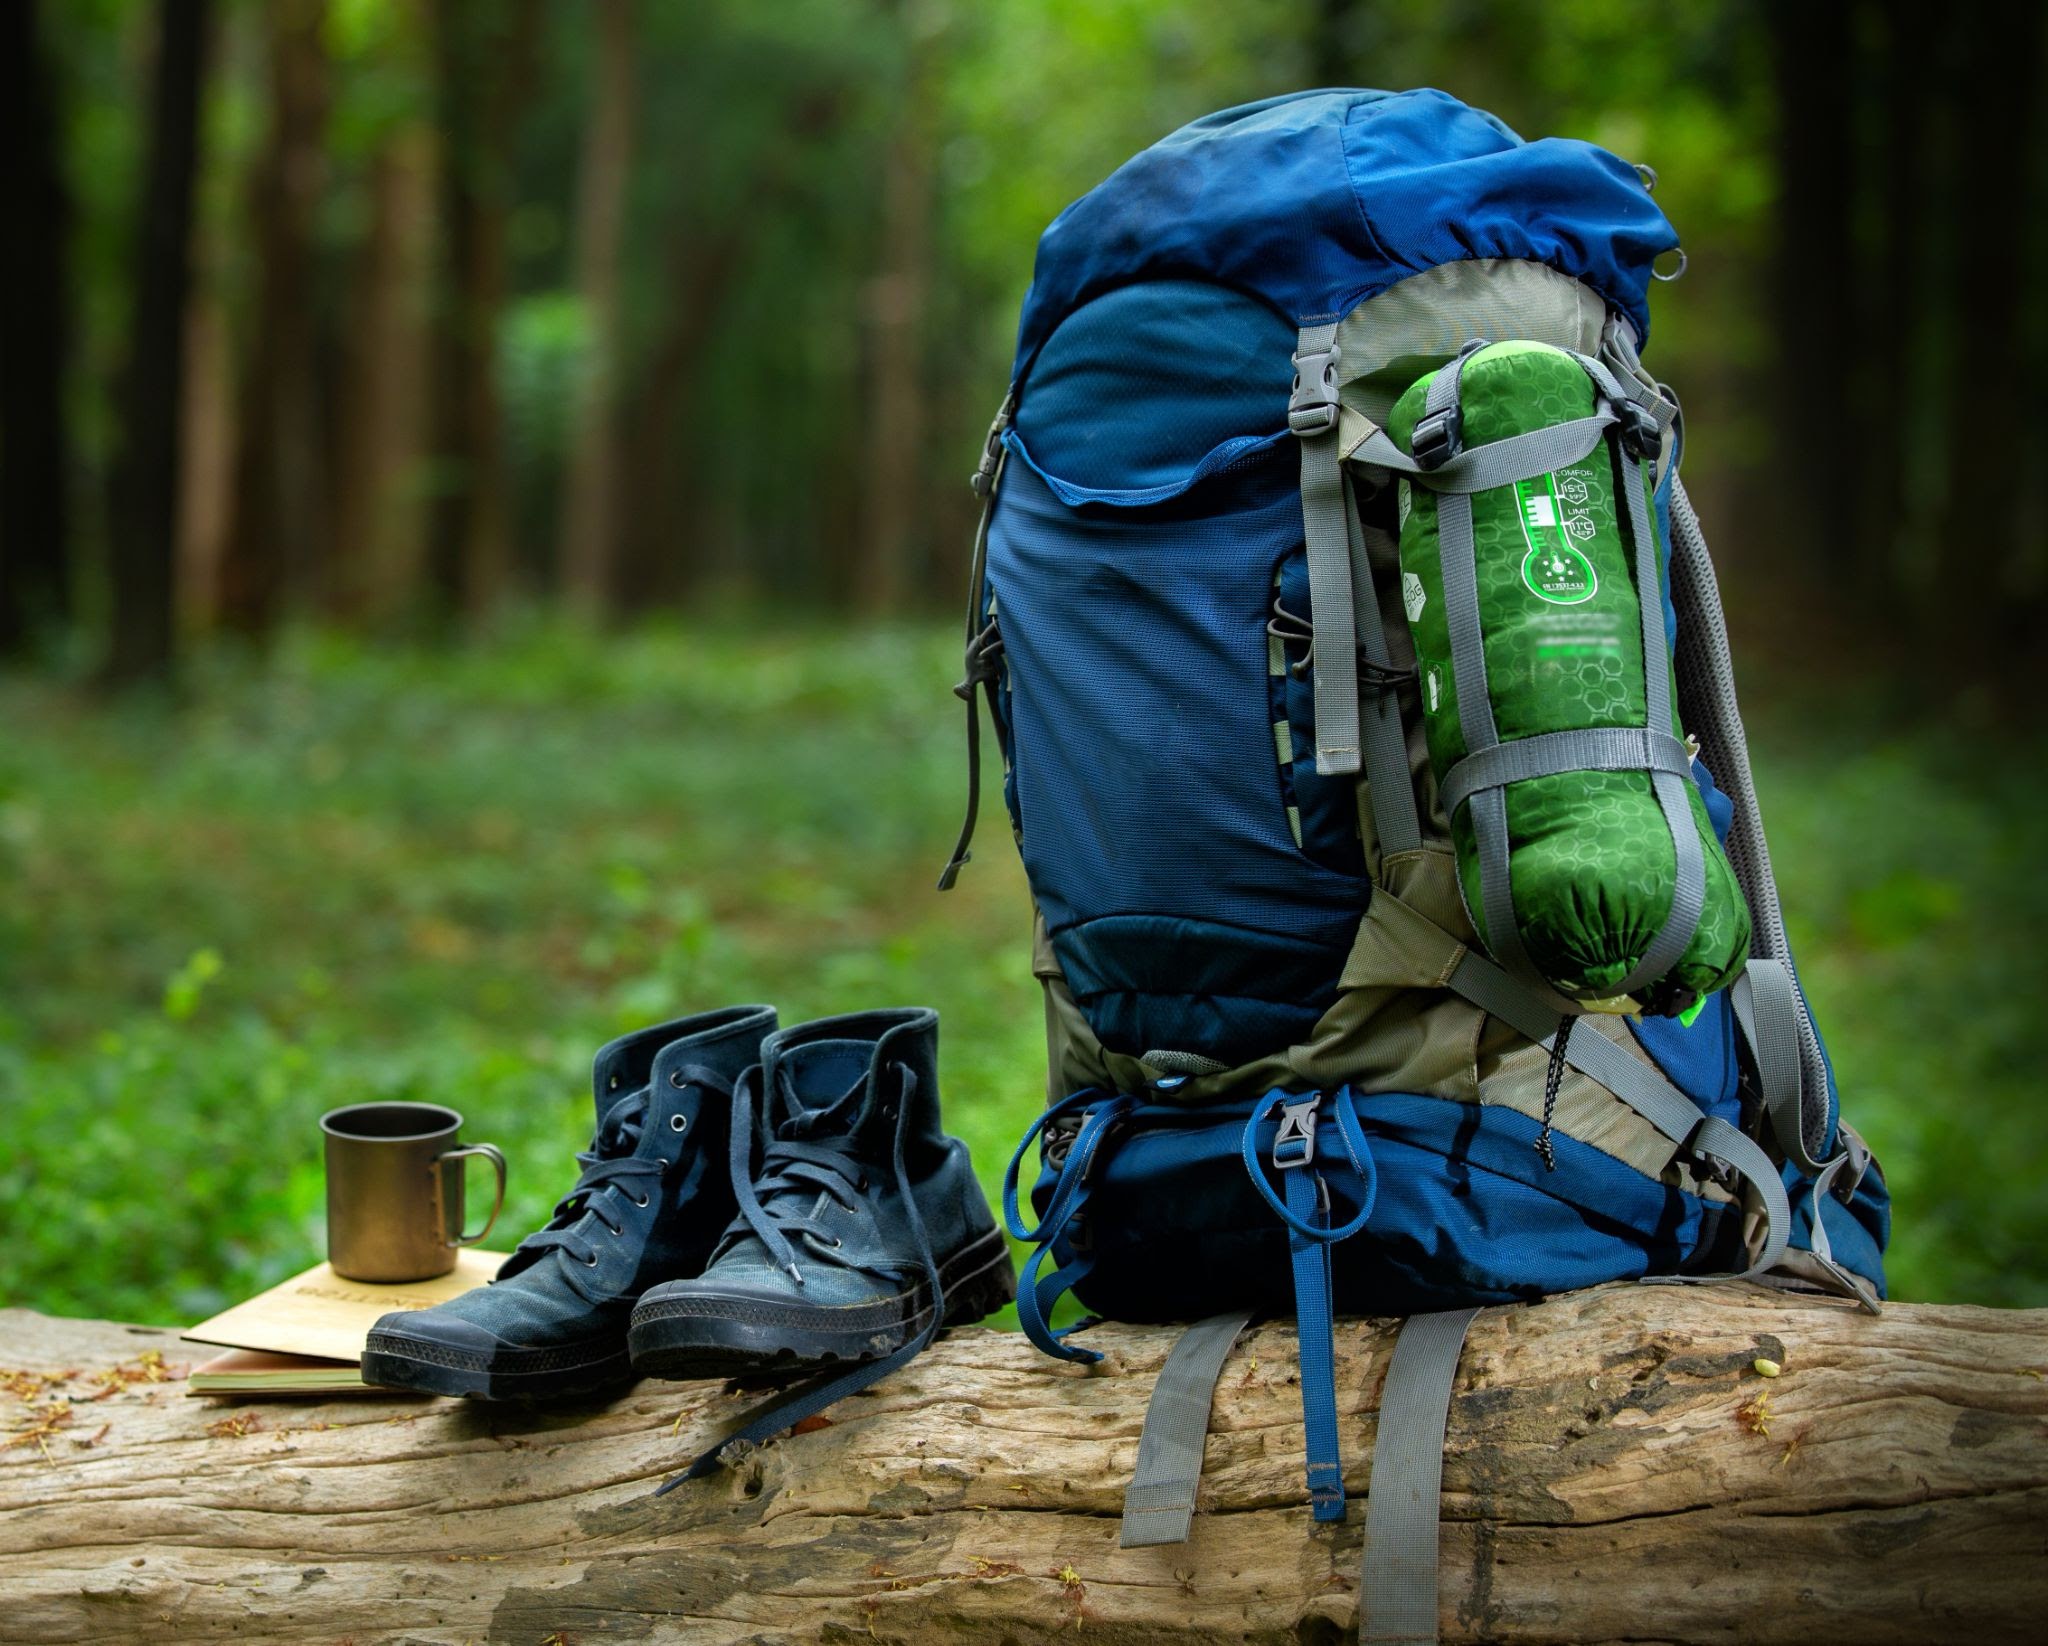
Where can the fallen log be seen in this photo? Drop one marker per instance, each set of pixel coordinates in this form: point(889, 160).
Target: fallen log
point(1617, 1469)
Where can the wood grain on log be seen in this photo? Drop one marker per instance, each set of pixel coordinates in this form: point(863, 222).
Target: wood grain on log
point(1617, 1470)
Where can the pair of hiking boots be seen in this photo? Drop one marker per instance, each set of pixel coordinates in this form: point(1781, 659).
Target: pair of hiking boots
point(755, 1200)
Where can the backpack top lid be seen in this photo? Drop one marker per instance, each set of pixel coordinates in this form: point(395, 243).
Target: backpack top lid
point(1316, 201)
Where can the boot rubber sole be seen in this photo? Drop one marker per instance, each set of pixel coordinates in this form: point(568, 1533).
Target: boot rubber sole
point(393, 1360)
point(705, 1335)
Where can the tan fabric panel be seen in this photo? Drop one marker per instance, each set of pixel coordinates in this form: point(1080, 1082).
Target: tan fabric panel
point(1417, 324)
point(1394, 1026)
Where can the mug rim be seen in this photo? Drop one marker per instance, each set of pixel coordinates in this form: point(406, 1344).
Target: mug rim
point(453, 1125)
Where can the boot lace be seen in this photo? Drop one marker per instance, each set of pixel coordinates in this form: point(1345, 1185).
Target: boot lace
point(792, 1165)
point(612, 1169)
point(779, 1202)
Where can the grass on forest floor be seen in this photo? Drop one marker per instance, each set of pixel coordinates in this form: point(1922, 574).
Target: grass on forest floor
point(354, 873)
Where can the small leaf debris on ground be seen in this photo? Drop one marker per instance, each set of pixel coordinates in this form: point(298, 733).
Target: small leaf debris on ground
point(147, 1367)
point(235, 1426)
point(25, 1385)
point(1075, 1591)
point(1755, 1417)
point(986, 1568)
point(39, 1426)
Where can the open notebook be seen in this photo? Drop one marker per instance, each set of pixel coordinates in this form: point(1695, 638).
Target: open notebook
point(306, 1335)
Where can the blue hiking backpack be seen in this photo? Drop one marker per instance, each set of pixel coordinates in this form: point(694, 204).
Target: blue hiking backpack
point(1280, 1055)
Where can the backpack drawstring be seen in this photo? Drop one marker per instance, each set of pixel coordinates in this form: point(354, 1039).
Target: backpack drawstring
point(1553, 1077)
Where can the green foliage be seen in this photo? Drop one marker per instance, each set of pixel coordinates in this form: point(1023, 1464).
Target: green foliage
point(359, 873)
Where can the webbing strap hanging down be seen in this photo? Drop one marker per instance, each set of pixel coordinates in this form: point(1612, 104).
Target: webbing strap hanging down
point(1159, 1503)
point(1397, 1587)
point(1312, 415)
point(1305, 1209)
point(980, 666)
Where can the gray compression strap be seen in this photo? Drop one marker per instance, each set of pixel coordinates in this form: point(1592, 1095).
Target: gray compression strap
point(1518, 457)
point(1767, 1008)
point(1707, 672)
point(1642, 1088)
point(1159, 1503)
point(1397, 1587)
point(1589, 749)
point(1312, 415)
point(1388, 786)
point(1487, 814)
point(1689, 880)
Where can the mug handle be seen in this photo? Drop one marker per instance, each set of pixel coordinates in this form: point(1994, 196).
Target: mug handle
point(489, 1152)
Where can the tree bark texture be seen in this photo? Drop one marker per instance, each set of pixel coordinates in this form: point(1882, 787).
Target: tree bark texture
point(1617, 1469)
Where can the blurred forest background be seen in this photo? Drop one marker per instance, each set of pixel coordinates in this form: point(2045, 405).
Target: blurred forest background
point(481, 504)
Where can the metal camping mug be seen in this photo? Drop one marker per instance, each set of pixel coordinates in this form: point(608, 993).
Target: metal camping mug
point(394, 1190)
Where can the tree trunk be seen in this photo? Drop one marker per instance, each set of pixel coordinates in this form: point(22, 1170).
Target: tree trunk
point(1821, 413)
point(591, 504)
point(208, 433)
point(382, 445)
point(701, 270)
point(896, 305)
point(277, 545)
point(142, 551)
point(1992, 484)
point(35, 338)
point(1616, 1470)
point(483, 65)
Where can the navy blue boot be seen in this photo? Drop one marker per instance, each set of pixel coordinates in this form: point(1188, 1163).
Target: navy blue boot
point(653, 1199)
point(861, 1228)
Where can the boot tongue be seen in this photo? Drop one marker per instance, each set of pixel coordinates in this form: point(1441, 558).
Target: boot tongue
point(821, 1081)
point(618, 1132)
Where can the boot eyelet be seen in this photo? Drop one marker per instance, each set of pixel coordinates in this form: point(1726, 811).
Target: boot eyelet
point(677, 1122)
point(590, 1262)
point(675, 1079)
point(641, 1201)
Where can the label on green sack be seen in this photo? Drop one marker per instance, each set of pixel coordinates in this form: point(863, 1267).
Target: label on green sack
point(1554, 569)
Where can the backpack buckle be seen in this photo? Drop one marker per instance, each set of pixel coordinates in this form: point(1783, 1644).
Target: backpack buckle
point(983, 480)
point(1437, 438)
point(1295, 1143)
point(1312, 402)
point(1640, 436)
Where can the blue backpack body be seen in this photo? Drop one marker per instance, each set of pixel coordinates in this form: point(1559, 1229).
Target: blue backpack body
point(1282, 1065)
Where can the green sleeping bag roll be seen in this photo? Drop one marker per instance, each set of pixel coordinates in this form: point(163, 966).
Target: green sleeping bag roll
point(1537, 576)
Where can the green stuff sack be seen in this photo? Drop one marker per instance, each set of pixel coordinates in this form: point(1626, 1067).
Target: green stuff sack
point(1533, 594)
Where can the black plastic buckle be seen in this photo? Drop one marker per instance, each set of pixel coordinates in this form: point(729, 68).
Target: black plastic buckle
point(1438, 438)
point(1640, 436)
point(983, 480)
point(1706, 1164)
point(1297, 1128)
